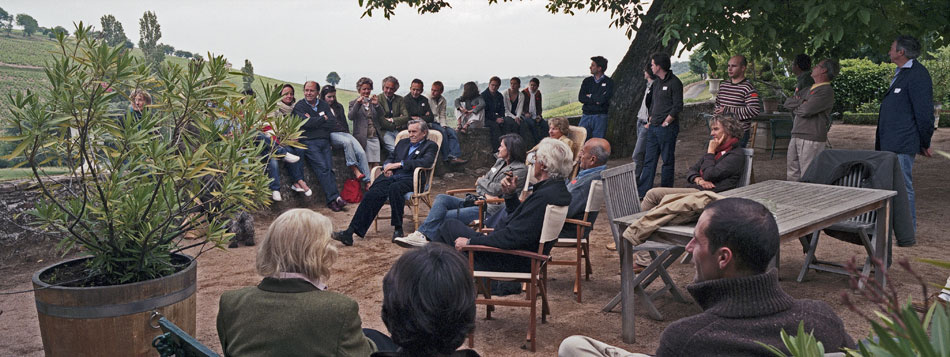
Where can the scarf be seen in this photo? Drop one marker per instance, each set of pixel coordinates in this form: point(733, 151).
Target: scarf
point(726, 146)
point(531, 106)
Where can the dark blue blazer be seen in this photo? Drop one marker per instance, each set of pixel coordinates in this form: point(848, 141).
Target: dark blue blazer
point(906, 120)
point(423, 156)
point(318, 126)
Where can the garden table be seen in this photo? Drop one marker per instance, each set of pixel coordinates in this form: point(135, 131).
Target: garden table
point(799, 208)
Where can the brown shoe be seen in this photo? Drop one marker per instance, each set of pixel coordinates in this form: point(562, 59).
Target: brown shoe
point(457, 161)
point(612, 246)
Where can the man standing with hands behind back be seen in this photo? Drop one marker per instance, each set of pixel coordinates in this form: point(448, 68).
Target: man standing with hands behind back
point(595, 93)
point(906, 120)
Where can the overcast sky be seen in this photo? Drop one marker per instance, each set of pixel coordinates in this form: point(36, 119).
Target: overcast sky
point(295, 40)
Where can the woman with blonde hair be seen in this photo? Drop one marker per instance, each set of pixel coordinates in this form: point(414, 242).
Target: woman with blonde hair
point(291, 312)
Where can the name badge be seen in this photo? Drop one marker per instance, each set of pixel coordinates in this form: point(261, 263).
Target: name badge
point(320, 114)
point(664, 87)
point(897, 90)
point(423, 104)
point(417, 152)
point(493, 169)
point(603, 84)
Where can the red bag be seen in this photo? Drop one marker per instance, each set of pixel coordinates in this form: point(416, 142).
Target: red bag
point(352, 191)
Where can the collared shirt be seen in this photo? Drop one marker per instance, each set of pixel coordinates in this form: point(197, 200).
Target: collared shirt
point(315, 104)
point(584, 172)
point(412, 147)
point(317, 284)
point(598, 79)
point(897, 70)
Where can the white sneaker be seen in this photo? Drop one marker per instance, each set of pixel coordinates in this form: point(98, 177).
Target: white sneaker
point(414, 239)
point(276, 196)
point(291, 158)
point(307, 193)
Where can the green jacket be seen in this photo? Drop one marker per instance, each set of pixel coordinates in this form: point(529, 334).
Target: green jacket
point(400, 114)
point(290, 317)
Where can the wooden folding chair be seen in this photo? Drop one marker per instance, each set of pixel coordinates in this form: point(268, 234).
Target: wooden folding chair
point(578, 136)
point(864, 226)
point(580, 241)
point(421, 192)
point(621, 199)
point(554, 217)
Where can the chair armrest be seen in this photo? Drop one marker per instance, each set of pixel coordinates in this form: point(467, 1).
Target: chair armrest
point(520, 253)
point(374, 173)
point(459, 191)
point(417, 179)
point(490, 201)
point(577, 222)
point(486, 230)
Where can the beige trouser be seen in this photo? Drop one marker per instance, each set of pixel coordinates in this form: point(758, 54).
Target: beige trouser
point(800, 154)
point(585, 346)
point(652, 199)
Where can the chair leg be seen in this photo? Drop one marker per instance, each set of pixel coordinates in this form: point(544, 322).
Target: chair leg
point(590, 270)
point(812, 246)
point(532, 325)
point(484, 285)
point(577, 272)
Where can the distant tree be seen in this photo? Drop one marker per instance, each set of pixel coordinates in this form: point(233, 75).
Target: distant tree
point(149, 34)
point(29, 24)
point(129, 44)
point(333, 78)
point(168, 50)
point(680, 67)
point(197, 57)
point(6, 20)
point(182, 54)
point(112, 31)
point(697, 64)
point(58, 29)
point(248, 71)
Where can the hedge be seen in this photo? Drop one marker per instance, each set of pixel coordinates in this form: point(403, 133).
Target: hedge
point(871, 119)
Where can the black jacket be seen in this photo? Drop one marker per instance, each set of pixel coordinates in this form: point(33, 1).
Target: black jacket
point(494, 105)
point(339, 125)
point(522, 229)
point(724, 173)
point(321, 122)
point(906, 121)
point(600, 93)
point(418, 107)
point(665, 98)
point(423, 156)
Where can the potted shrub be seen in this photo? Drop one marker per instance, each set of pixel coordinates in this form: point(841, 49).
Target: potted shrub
point(138, 182)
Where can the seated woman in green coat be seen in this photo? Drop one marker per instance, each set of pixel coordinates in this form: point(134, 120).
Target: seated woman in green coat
point(291, 312)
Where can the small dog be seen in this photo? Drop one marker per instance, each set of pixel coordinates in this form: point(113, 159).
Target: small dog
point(242, 225)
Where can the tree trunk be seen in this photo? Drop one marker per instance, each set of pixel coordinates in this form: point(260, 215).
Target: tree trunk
point(629, 82)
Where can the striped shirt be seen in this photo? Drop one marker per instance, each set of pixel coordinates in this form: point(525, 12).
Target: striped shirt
point(739, 99)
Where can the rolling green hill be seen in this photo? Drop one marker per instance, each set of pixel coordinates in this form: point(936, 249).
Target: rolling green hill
point(556, 91)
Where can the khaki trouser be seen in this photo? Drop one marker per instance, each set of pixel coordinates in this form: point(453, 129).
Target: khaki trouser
point(800, 154)
point(584, 346)
point(655, 195)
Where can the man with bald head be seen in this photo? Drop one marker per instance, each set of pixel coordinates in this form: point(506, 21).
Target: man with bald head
point(592, 160)
point(738, 97)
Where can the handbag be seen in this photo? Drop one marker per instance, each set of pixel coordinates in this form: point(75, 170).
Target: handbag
point(470, 199)
point(352, 191)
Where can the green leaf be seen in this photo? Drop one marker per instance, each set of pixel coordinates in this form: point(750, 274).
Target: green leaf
point(864, 15)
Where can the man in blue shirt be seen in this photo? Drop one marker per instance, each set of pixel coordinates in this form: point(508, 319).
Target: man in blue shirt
point(595, 94)
point(906, 121)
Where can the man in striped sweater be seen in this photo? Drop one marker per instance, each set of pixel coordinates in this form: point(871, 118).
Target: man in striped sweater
point(738, 97)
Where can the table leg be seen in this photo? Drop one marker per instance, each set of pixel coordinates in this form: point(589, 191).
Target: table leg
point(881, 241)
point(627, 290)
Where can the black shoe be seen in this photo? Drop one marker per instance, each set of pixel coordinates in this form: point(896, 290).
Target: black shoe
point(397, 232)
point(344, 236)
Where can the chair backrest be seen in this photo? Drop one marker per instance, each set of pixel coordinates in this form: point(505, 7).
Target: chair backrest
point(746, 178)
point(436, 137)
point(620, 194)
point(554, 217)
point(856, 178)
point(780, 128)
point(578, 136)
point(595, 198)
point(176, 342)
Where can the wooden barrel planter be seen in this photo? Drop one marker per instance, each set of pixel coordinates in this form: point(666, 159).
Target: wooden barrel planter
point(112, 320)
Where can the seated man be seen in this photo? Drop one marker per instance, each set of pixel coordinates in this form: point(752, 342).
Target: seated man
point(592, 160)
point(450, 141)
point(431, 316)
point(742, 301)
point(392, 116)
point(394, 183)
point(522, 228)
point(318, 123)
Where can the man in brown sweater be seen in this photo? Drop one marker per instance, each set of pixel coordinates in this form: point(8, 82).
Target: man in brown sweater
point(812, 110)
point(742, 301)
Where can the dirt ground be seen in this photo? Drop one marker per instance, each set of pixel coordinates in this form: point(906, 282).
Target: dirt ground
point(360, 269)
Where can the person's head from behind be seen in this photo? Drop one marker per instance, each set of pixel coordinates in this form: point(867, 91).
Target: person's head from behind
point(512, 148)
point(595, 152)
point(469, 91)
point(802, 64)
point(429, 301)
point(558, 127)
point(734, 237)
point(648, 73)
point(140, 99)
point(725, 125)
point(328, 94)
point(553, 160)
point(298, 241)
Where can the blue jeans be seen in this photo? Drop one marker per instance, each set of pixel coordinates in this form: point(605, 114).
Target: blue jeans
point(318, 155)
point(639, 149)
point(451, 148)
point(446, 206)
point(389, 140)
point(596, 125)
point(907, 168)
point(273, 169)
point(661, 142)
point(352, 151)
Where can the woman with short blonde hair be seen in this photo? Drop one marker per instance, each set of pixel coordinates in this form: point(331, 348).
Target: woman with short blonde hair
point(291, 312)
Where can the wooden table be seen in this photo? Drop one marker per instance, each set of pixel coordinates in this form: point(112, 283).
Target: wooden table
point(799, 208)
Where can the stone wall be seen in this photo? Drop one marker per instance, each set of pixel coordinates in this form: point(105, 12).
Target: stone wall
point(17, 236)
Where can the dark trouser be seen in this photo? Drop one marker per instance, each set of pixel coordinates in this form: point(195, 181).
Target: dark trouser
point(318, 155)
point(451, 149)
point(453, 228)
point(383, 343)
point(384, 188)
point(538, 129)
point(745, 138)
point(661, 142)
point(497, 130)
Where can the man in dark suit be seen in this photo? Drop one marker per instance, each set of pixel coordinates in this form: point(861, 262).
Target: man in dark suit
point(396, 181)
point(906, 120)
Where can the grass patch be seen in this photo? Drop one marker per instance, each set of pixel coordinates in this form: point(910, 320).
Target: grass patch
point(702, 97)
point(22, 173)
point(569, 110)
